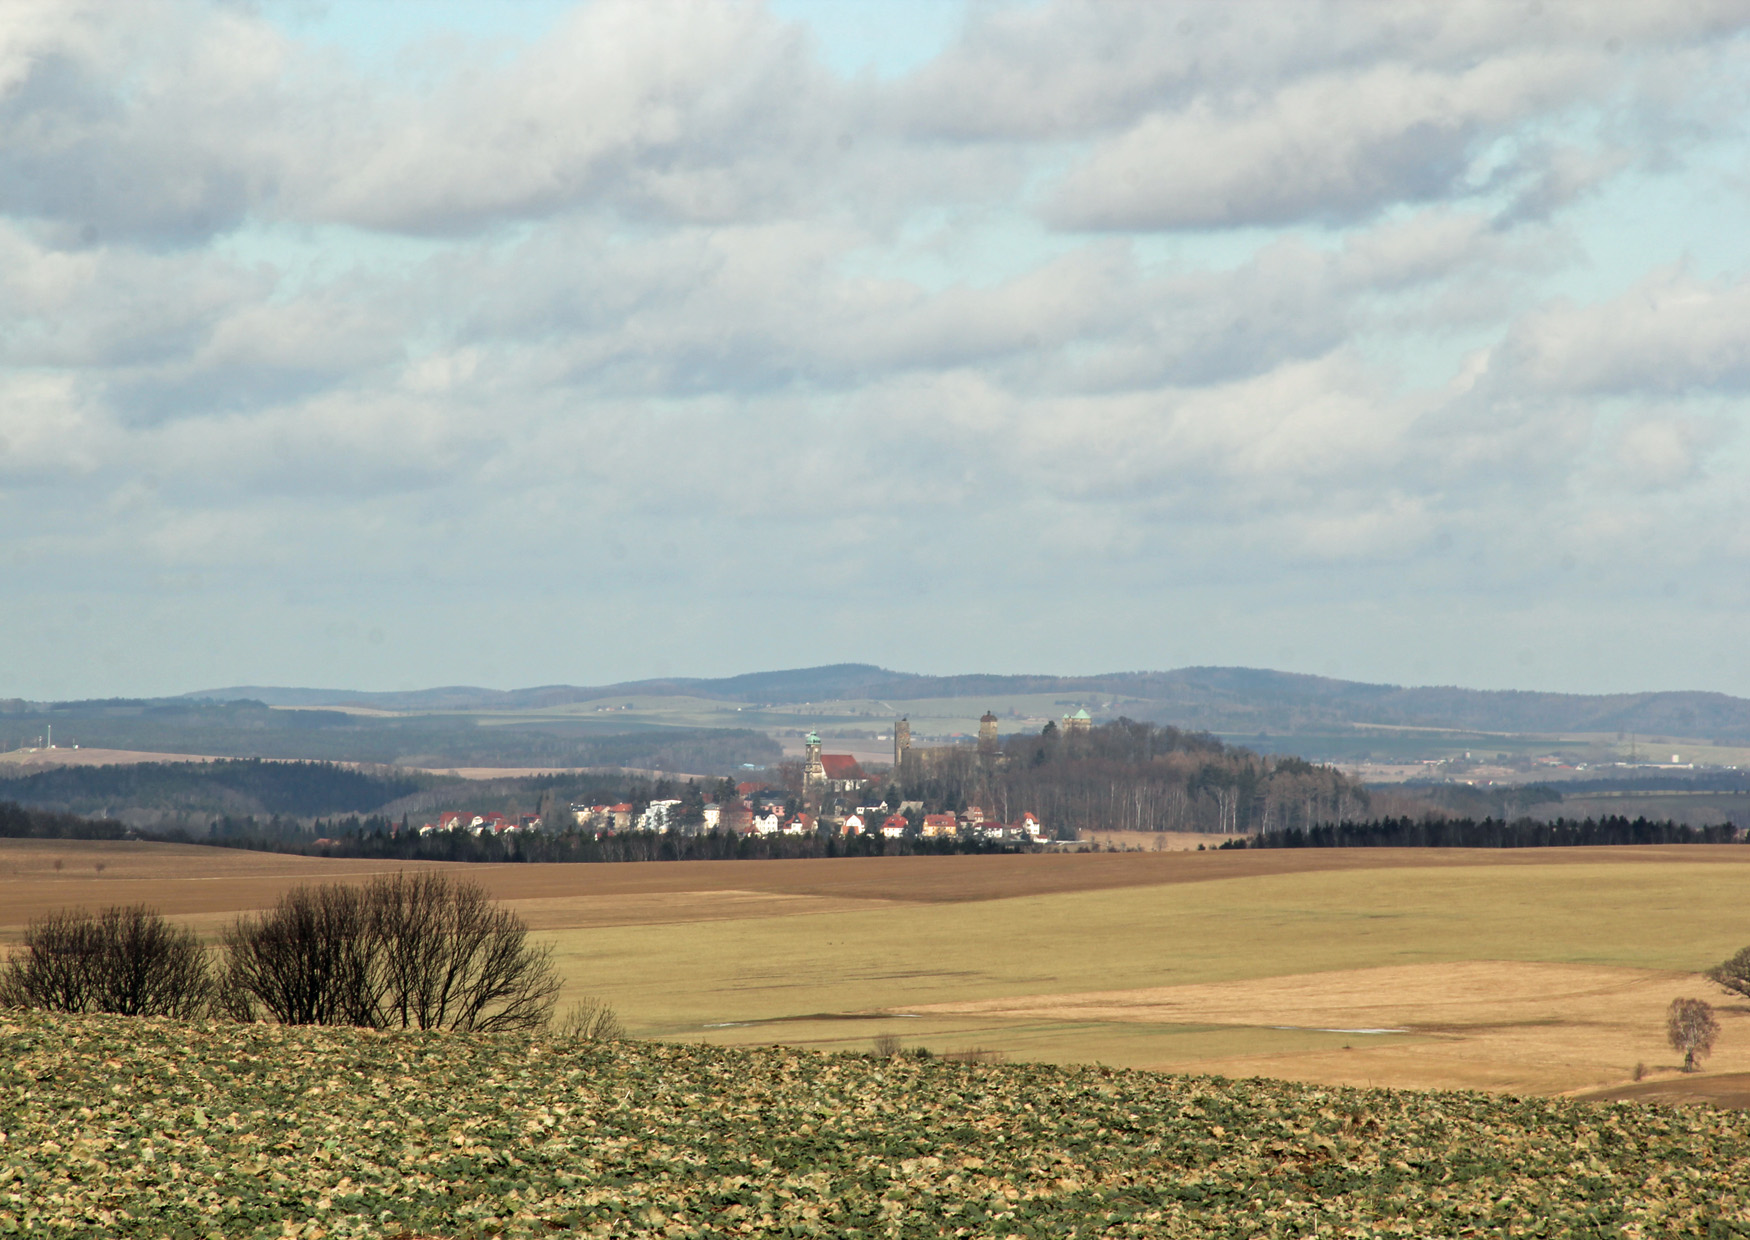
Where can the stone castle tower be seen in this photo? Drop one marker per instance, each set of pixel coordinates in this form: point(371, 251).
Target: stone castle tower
point(987, 733)
point(901, 744)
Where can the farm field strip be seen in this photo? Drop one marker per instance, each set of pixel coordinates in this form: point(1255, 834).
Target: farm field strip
point(1539, 970)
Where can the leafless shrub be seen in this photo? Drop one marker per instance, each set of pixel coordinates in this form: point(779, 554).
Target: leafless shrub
point(307, 961)
point(590, 1019)
point(129, 961)
point(1691, 1028)
point(1640, 1071)
point(976, 1054)
point(406, 952)
point(886, 1045)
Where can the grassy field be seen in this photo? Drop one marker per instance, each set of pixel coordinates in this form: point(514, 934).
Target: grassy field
point(1538, 971)
point(149, 1128)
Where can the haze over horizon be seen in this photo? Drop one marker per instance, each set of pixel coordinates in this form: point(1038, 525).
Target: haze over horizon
point(384, 346)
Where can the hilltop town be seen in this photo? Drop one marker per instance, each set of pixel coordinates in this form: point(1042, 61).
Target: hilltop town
point(834, 798)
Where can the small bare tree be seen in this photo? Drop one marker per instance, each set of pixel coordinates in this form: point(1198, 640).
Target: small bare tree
point(150, 967)
point(129, 961)
point(306, 961)
point(1691, 1028)
point(54, 968)
point(448, 958)
point(1734, 974)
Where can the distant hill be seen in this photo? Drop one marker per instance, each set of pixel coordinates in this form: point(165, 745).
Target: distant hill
point(1224, 699)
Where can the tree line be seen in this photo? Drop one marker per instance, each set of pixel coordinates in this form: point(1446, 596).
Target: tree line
point(1490, 833)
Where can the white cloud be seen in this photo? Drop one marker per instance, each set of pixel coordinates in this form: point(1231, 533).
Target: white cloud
point(676, 311)
point(1671, 333)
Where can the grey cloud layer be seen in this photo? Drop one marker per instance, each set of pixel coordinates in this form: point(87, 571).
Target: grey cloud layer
point(660, 293)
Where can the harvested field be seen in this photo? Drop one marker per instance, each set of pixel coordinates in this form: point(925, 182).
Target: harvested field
point(181, 878)
point(1721, 1089)
point(18, 762)
point(1510, 1025)
point(1524, 970)
point(1155, 841)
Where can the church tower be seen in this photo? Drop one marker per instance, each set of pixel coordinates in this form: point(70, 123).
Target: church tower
point(813, 770)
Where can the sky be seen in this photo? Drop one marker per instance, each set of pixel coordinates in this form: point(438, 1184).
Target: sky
point(383, 345)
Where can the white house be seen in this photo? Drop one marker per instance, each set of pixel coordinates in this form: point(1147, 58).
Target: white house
point(658, 816)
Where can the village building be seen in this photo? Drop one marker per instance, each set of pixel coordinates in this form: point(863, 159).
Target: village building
point(659, 816)
point(940, 826)
point(828, 775)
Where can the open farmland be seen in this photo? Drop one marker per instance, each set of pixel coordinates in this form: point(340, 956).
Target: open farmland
point(1538, 971)
point(120, 1127)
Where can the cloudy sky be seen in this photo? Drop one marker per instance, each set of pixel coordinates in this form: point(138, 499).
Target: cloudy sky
point(384, 345)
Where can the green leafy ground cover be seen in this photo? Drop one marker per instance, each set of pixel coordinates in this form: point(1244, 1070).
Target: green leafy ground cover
point(124, 1127)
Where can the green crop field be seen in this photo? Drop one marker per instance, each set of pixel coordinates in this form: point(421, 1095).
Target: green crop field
point(149, 1128)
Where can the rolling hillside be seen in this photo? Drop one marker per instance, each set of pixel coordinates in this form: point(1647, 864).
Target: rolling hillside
point(1218, 699)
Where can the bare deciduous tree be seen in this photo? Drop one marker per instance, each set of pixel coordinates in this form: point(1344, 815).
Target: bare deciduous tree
point(307, 961)
point(448, 958)
point(1691, 1028)
point(406, 952)
point(129, 961)
point(53, 970)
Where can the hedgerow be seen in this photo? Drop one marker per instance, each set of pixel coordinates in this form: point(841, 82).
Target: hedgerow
point(116, 1126)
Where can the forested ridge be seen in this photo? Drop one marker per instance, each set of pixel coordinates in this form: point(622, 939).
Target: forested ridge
point(249, 786)
point(1134, 776)
point(246, 729)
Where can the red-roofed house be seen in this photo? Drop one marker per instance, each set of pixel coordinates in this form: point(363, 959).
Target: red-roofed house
point(938, 826)
point(895, 827)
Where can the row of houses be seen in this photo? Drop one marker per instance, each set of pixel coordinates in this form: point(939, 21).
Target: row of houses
point(481, 824)
point(752, 816)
